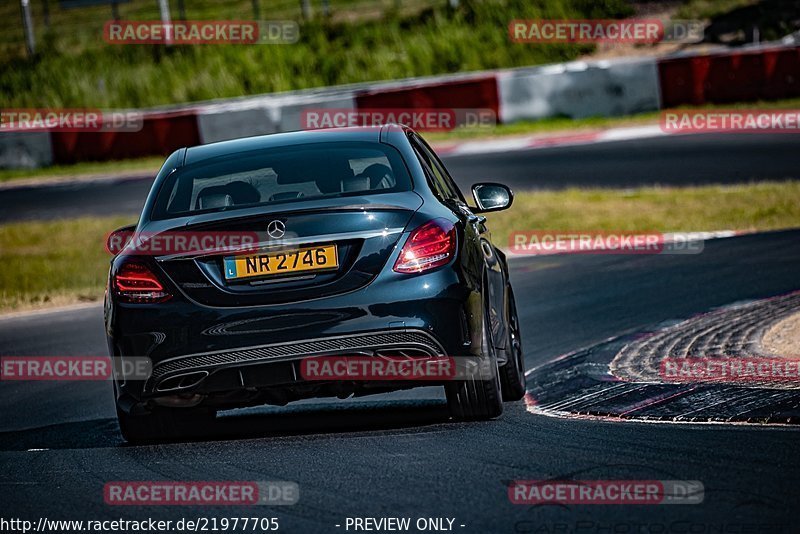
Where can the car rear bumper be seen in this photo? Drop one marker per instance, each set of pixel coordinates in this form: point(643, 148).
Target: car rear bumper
point(199, 350)
point(231, 369)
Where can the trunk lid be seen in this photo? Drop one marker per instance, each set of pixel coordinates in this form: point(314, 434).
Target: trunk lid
point(363, 230)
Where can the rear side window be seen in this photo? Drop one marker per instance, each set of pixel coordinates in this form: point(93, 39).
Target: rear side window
point(285, 174)
point(440, 171)
point(441, 183)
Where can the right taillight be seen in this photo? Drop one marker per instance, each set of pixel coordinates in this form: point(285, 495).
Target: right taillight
point(429, 246)
point(134, 282)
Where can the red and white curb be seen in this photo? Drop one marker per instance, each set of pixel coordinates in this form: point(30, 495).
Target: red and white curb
point(87, 179)
point(532, 142)
point(702, 236)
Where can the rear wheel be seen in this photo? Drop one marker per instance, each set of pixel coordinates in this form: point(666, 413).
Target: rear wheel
point(163, 424)
point(512, 373)
point(478, 397)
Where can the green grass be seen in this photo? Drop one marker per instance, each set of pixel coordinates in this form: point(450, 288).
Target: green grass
point(708, 9)
point(54, 262)
point(758, 206)
point(363, 40)
point(61, 262)
point(731, 20)
point(76, 68)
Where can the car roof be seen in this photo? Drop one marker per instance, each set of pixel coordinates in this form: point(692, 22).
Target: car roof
point(330, 135)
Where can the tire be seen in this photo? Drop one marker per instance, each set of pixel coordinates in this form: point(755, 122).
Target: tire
point(163, 424)
point(479, 397)
point(512, 373)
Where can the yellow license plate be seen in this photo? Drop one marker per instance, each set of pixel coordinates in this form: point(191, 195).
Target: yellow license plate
point(285, 262)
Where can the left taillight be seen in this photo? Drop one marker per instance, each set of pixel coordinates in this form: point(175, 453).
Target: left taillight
point(431, 245)
point(136, 283)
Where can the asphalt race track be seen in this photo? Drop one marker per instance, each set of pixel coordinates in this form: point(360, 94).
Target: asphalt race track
point(674, 160)
point(398, 455)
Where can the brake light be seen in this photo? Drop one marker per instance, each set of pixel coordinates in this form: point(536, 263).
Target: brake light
point(134, 282)
point(429, 246)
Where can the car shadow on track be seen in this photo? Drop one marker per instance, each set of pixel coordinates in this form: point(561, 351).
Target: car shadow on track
point(288, 421)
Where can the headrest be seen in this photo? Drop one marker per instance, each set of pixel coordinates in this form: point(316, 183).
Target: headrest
point(356, 183)
point(328, 174)
point(243, 193)
point(213, 200)
point(238, 192)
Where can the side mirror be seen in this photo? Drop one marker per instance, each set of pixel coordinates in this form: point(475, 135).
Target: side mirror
point(492, 197)
point(119, 238)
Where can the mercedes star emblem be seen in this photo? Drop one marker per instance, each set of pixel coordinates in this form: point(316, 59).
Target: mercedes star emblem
point(276, 229)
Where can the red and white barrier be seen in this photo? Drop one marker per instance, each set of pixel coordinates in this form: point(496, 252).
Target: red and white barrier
point(579, 89)
point(738, 76)
point(479, 92)
point(576, 89)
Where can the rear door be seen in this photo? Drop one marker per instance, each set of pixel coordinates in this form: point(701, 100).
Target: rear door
point(476, 229)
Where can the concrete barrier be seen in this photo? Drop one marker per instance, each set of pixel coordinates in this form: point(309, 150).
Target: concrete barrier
point(223, 122)
point(266, 115)
point(579, 89)
point(292, 110)
point(25, 150)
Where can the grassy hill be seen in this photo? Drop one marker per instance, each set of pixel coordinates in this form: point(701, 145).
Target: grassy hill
point(359, 41)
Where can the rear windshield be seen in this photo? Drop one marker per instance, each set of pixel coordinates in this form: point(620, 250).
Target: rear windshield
point(285, 174)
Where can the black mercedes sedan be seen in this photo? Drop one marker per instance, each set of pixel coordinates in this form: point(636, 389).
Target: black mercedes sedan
point(255, 258)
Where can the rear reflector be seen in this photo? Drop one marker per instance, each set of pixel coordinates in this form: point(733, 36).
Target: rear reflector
point(431, 245)
point(134, 282)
